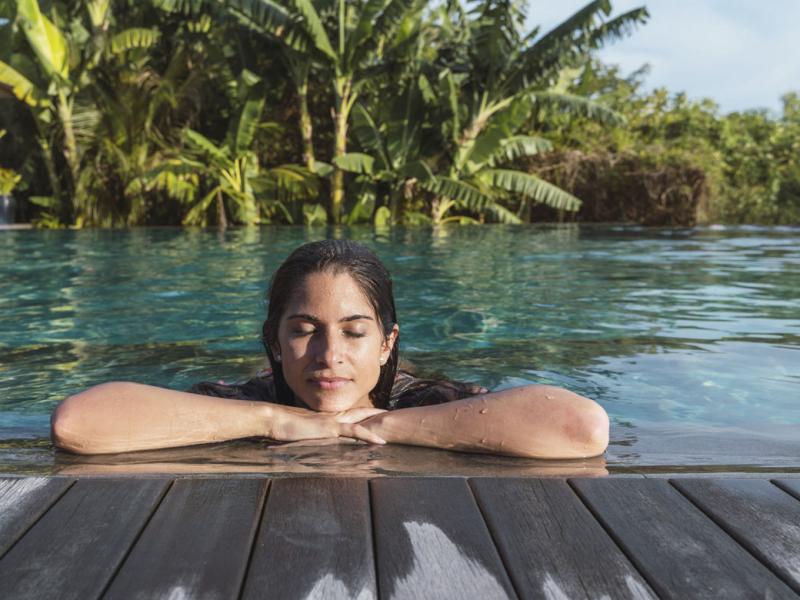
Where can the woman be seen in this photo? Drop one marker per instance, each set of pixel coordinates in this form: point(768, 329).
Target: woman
point(331, 336)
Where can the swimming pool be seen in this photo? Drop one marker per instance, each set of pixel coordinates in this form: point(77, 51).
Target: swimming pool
point(690, 338)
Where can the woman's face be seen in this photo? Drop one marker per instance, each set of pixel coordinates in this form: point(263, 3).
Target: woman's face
point(332, 346)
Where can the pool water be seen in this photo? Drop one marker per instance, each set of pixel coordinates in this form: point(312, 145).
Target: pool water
point(690, 338)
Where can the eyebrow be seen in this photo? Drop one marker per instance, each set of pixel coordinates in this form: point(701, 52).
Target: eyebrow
point(313, 319)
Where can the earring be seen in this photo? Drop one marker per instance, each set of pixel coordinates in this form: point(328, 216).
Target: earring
point(383, 361)
point(278, 358)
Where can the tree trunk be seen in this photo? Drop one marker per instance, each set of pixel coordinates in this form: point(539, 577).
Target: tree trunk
point(222, 222)
point(339, 148)
point(55, 184)
point(439, 208)
point(306, 127)
point(70, 149)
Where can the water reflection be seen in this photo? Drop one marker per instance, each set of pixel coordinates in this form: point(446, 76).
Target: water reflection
point(314, 458)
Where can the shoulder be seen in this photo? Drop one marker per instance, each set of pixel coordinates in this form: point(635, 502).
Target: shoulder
point(410, 391)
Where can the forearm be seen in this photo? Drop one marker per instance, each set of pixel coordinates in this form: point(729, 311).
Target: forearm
point(123, 417)
point(531, 421)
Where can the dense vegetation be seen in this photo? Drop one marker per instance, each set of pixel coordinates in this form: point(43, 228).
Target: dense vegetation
point(675, 161)
point(131, 112)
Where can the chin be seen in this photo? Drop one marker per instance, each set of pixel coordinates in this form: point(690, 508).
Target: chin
point(331, 403)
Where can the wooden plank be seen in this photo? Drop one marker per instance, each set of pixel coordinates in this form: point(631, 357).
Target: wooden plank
point(315, 541)
point(760, 516)
point(22, 501)
point(551, 544)
point(792, 486)
point(197, 543)
point(431, 541)
point(75, 548)
point(680, 551)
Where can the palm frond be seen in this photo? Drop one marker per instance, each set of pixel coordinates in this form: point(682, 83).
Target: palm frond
point(467, 194)
point(368, 134)
point(582, 20)
point(285, 183)
point(500, 125)
point(417, 169)
point(365, 24)
point(243, 127)
point(269, 18)
point(196, 215)
point(578, 106)
point(202, 145)
point(502, 214)
point(47, 41)
point(184, 7)
point(619, 27)
point(135, 37)
point(515, 146)
point(561, 47)
point(384, 28)
point(355, 162)
point(178, 178)
point(98, 11)
point(19, 86)
point(531, 186)
point(314, 27)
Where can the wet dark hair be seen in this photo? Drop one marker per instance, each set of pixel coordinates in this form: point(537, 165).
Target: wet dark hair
point(335, 257)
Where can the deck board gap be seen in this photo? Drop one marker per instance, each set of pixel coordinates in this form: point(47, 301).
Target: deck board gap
point(783, 488)
point(39, 518)
point(615, 538)
point(254, 541)
point(373, 540)
point(503, 558)
point(136, 539)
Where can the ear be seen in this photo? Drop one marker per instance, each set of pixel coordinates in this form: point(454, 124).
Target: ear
point(388, 343)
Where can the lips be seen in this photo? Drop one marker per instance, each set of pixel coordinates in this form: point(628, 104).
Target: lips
point(329, 383)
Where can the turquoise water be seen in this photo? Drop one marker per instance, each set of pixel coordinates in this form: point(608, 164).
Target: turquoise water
point(690, 338)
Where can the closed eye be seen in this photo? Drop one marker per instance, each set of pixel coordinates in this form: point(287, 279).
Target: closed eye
point(352, 334)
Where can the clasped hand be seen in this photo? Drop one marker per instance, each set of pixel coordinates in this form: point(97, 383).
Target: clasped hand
point(297, 424)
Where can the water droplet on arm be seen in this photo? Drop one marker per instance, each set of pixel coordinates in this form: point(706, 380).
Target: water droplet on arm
point(483, 411)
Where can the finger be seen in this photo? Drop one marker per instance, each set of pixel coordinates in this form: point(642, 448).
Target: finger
point(357, 414)
point(360, 432)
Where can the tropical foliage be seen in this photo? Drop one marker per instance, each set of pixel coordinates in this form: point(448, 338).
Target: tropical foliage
point(199, 112)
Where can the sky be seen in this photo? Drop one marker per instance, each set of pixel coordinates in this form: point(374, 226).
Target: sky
point(743, 54)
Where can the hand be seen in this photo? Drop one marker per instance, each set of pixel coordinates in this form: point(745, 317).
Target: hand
point(293, 424)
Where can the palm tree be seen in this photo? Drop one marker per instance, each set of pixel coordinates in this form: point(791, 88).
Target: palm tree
point(474, 97)
point(344, 38)
point(39, 76)
point(232, 169)
point(493, 80)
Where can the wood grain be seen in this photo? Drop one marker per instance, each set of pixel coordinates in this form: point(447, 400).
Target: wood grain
point(197, 544)
point(759, 515)
point(23, 501)
point(315, 541)
point(432, 542)
point(551, 543)
point(75, 548)
point(681, 552)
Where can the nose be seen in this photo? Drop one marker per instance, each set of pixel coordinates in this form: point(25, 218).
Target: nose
point(328, 349)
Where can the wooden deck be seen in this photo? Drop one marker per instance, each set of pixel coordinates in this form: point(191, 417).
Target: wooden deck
point(399, 537)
